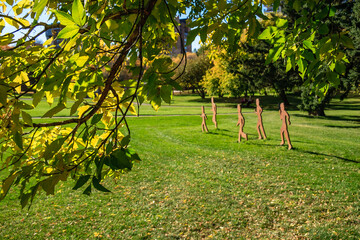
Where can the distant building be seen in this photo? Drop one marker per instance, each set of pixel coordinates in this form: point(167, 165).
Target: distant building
point(184, 31)
point(53, 33)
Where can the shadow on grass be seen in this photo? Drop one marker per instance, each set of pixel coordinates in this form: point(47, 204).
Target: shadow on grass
point(218, 132)
point(336, 126)
point(352, 118)
point(328, 155)
point(308, 152)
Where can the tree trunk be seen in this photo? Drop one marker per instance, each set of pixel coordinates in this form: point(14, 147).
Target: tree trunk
point(320, 110)
point(283, 97)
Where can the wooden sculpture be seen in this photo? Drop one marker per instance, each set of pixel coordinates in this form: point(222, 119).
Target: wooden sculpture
point(259, 126)
point(204, 117)
point(284, 116)
point(214, 110)
point(241, 123)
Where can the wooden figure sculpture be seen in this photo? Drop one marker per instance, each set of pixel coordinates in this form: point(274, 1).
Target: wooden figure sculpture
point(259, 125)
point(204, 117)
point(241, 123)
point(284, 116)
point(214, 110)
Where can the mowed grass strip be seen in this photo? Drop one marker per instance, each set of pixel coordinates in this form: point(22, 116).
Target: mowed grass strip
point(194, 185)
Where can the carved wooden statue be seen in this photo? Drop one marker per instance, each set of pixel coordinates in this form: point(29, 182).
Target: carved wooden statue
point(204, 117)
point(241, 123)
point(214, 110)
point(284, 116)
point(259, 126)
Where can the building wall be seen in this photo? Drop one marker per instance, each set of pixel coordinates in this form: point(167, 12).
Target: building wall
point(184, 30)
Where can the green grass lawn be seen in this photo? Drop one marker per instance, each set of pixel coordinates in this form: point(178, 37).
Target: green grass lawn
point(194, 185)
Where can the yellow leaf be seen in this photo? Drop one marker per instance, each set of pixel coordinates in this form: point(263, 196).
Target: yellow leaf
point(48, 42)
point(49, 97)
point(94, 141)
point(24, 76)
point(81, 110)
point(23, 21)
point(106, 118)
point(71, 43)
point(12, 22)
point(18, 89)
point(18, 79)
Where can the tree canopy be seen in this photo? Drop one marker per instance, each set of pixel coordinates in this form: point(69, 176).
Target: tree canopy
point(98, 39)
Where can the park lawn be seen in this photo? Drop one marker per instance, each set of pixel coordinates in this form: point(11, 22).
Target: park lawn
point(195, 185)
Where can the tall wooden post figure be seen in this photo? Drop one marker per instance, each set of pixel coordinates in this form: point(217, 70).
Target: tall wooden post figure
point(241, 123)
point(284, 116)
point(259, 126)
point(204, 117)
point(214, 110)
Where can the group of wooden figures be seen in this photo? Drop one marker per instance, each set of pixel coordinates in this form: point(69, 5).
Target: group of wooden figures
point(284, 116)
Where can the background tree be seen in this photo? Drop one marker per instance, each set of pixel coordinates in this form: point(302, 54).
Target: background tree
point(192, 77)
point(218, 81)
point(336, 19)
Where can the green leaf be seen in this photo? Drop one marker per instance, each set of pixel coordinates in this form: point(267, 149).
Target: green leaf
point(49, 184)
point(134, 155)
point(277, 54)
point(78, 13)
point(125, 141)
point(217, 36)
point(6, 184)
point(54, 110)
point(68, 32)
point(79, 60)
point(165, 93)
point(280, 22)
point(24, 105)
point(266, 34)
point(24, 199)
point(323, 14)
point(81, 181)
point(3, 95)
point(192, 35)
point(64, 18)
point(98, 186)
point(333, 78)
point(288, 65)
point(27, 118)
point(96, 118)
point(308, 55)
point(119, 160)
point(324, 29)
point(37, 97)
point(347, 41)
point(109, 148)
point(203, 34)
point(297, 5)
point(53, 148)
point(75, 106)
point(18, 140)
point(39, 6)
point(87, 191)
point(64, 89)
point(309, 45)
point(274, 54)
point(340, 67)
point(332, 11)
point(276, 5)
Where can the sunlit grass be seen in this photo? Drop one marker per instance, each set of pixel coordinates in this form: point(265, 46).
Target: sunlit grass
point(194, 185)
